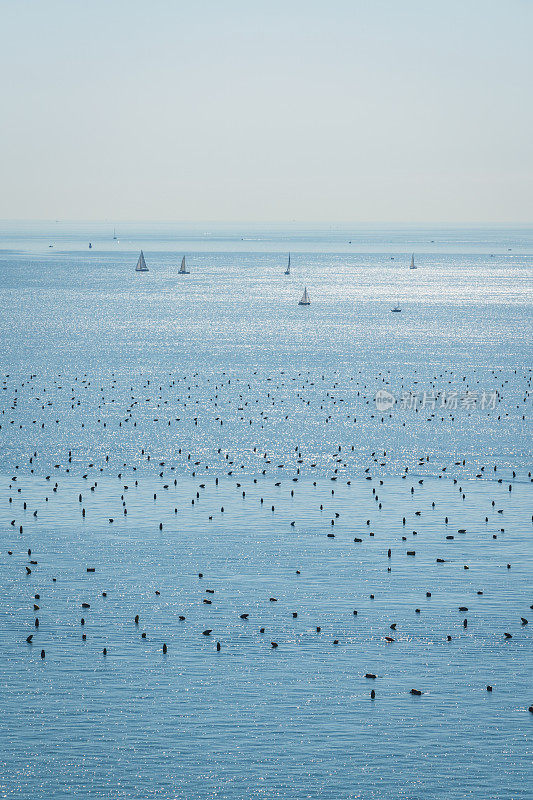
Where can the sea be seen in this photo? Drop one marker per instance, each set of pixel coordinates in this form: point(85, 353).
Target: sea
point(260, 549)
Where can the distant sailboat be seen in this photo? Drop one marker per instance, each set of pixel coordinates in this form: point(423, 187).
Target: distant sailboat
point(141, 264)
point(413, 265)
point(183, 269)
point(396, 308)
point(288, 270)
point(114, 234)
point(305, 301)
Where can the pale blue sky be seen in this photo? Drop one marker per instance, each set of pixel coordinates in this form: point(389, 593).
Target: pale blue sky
point(347, 110)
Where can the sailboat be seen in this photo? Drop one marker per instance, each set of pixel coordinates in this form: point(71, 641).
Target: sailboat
point(288, 270)
point(183, 269)
point(413, 265)
point(141, 264)
point(396, 308)
point(305, 301)
point(114, 234)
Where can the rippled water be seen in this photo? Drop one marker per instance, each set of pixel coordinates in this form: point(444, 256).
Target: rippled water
point(241, 399)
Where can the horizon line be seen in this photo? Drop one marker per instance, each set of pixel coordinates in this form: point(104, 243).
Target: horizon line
point(395, 223)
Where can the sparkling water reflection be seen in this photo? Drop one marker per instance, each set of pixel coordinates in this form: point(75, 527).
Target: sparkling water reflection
point(129, 367)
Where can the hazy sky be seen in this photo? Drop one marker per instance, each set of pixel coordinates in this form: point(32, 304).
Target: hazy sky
point(339, 110)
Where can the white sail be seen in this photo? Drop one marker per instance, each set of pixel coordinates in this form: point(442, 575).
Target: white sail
point(305, 301)
point(288, 270)
point(141, 264)
point(413, 265)
point(183, 269)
